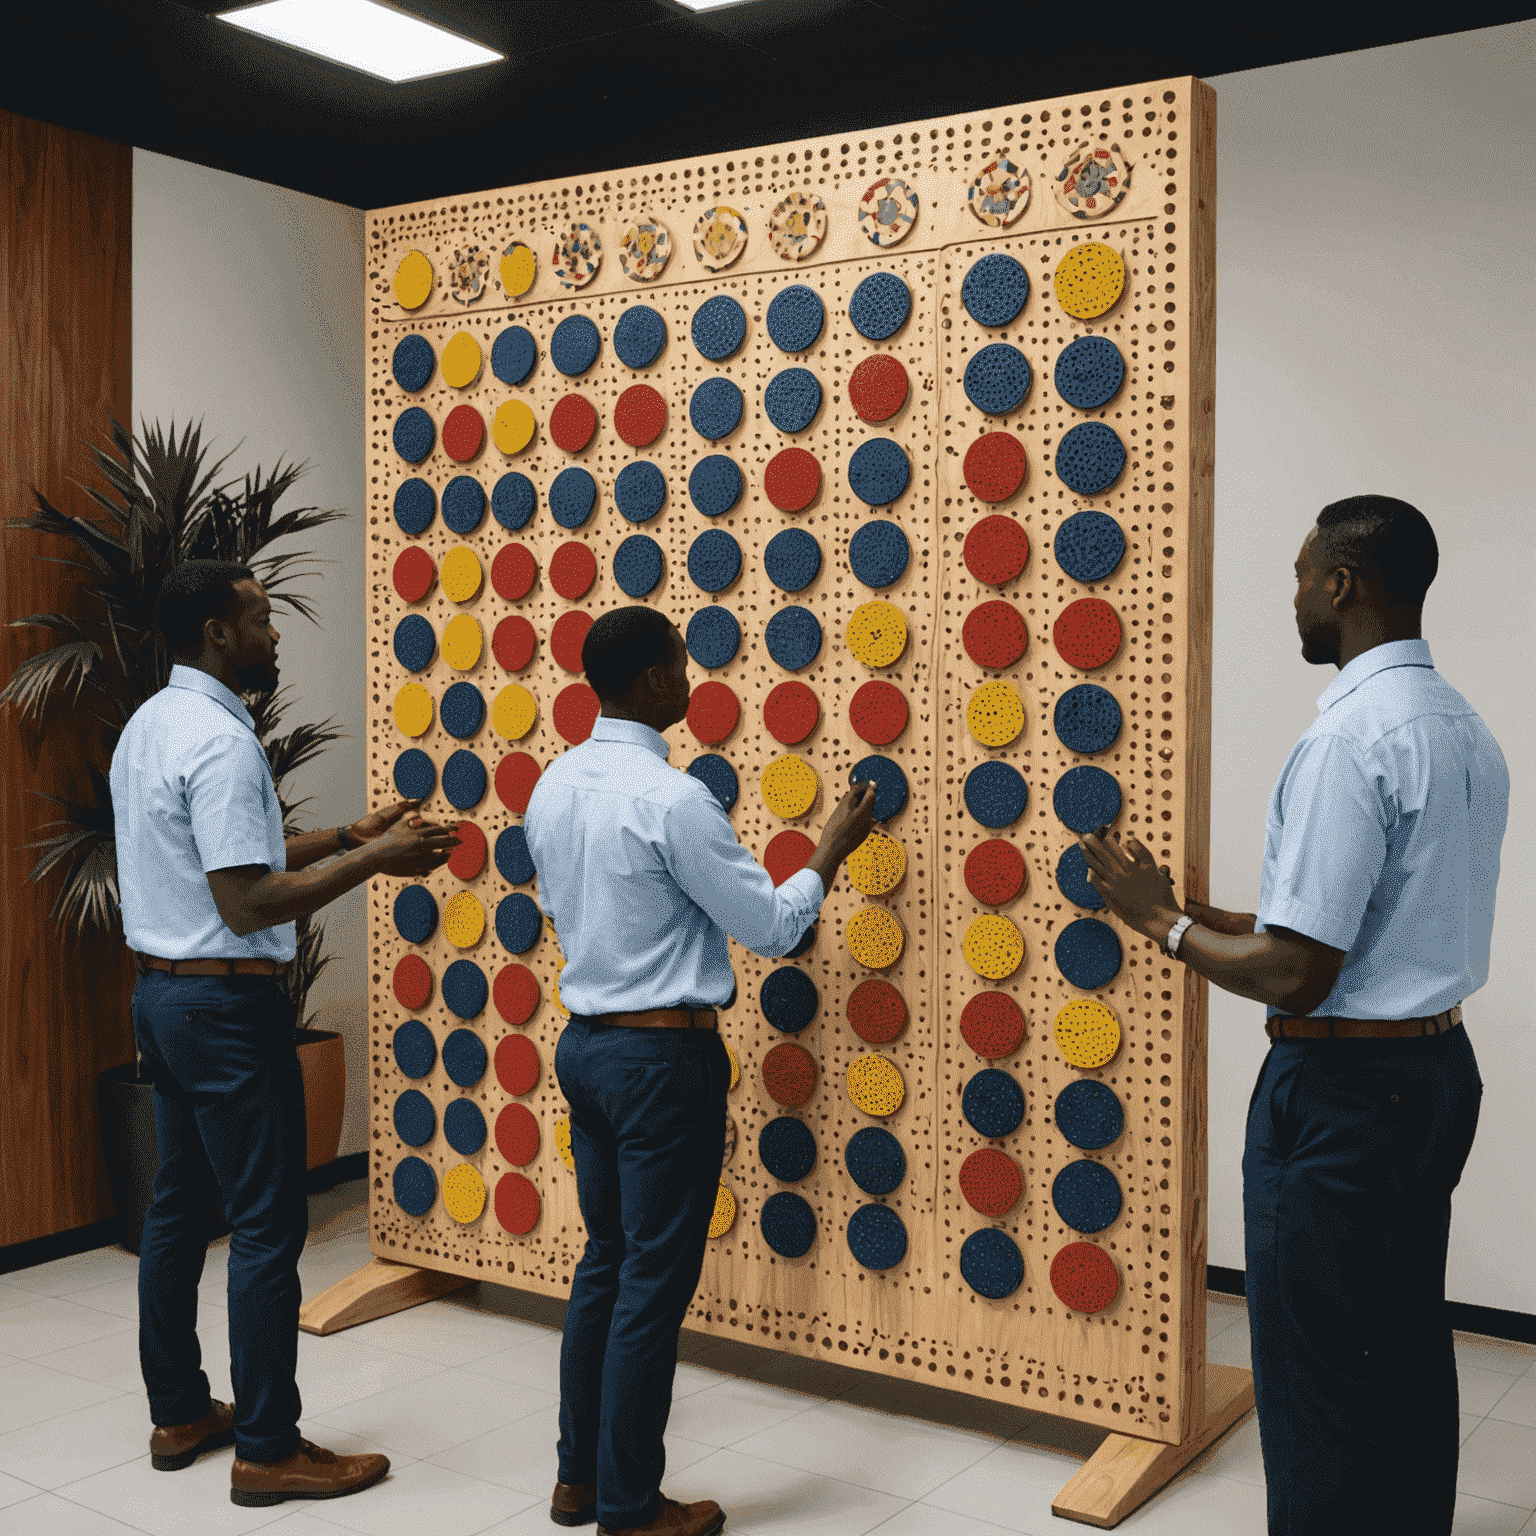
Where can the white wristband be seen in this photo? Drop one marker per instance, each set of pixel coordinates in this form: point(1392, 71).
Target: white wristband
point(1177, 932)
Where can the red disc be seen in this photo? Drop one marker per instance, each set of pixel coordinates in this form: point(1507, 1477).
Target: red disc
point(572, 570)
point(576, 710)
point(792, 479)
point(787, 854)
point(639, 415)
point(517, 1204)
point(572, 423)
point(994, 634)
point(790, 712)
point(877, 1012)
point(514, 571)
point(996, 550)
point(515, 993)
point(566, 639)
point(877, 388)
point(713, 710)
point(994, 466)
point(517, 1135)
point(463, 433)
point(1084, 1277)
point(789, 1074)
point(413, 982)
point(992, 1025)
point(1087, 634)
point(877, 712)
point(513, 642)
point(414, 573)
point(516, 774)
point(468, 859)
point(517, 1065)
point(994, 871)
point(990, 1181)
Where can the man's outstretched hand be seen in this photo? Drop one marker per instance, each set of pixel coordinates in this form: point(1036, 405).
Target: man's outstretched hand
point(1134, 888)
point(377, 823)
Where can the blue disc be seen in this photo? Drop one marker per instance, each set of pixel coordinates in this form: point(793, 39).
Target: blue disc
point(462, 711)
point(518, 922)
point(719, 327)
point(1088, 953)
point(795, 318)
point(464, 1057)
point(415, 1049)
point(788, 1224)
point(637, 565)
point(1088, 372)
point(573, 347)
point(793, 637)
point(715, 409)
point(1089, 1114)
point(464, 780)
point(805, 941)
point(717, 775)
point(1086, 798)
point(877, 1239)
point(415, 1186)
point(714, 485)
point(714, 636)
point(513, 861)
point(639, 490)
point(890, 784)
point(465, 989)
point(464, 1127)
point(414, 434)
point(995, 794)
point(412, 363)
point(513, 354)
point(415, 1119)
point(875, 1160)
point(787, 1149)
point(415, 914)
point(789, 999)
point(991, 1264)
point(513, 500)
point(1072, 880)
point(714, 560)
point(878, 553)
point(1089, 458)
point(792, 399)
point(995, 289)
point(879, 306)
point(1086, 1195)
point(415, 774)
point(792, 559)
point(572, 495)
point(463, 504)
point(1088, 546)
point(1087, 718)
point(993, 1102)
point(879, 471)
point(997, 378)
point(639, 336)
point(415, 502)
point(414, 642)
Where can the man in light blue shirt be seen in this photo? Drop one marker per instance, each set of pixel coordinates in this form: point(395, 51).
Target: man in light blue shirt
point(1381, 858)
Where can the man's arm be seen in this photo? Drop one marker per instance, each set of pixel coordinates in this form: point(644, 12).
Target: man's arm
point(1220, 921)
point(251, 896)
point(309, 847)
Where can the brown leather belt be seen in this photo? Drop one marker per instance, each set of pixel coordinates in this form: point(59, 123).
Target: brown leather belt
point(1326, 1028)
point(215, 967)
point(664, 1018)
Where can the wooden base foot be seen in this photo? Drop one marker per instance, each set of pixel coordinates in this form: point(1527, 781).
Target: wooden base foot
point(376, 1290)
point(1125, 1472)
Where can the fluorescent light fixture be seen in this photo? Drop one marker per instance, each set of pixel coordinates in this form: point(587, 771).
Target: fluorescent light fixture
point(711, 5)
point(363, 35)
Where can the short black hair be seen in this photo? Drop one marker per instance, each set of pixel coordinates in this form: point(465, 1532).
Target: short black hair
point(194, 592)
point(621, 645)
point(1384, 537)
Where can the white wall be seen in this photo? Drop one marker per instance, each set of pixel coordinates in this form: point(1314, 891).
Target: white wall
point(1374, 334)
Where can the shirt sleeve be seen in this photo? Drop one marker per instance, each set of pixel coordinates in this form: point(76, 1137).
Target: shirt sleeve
point(1332, 845)
point(227, 785)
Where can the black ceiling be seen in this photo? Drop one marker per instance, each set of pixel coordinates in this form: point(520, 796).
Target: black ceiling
point(600, 84)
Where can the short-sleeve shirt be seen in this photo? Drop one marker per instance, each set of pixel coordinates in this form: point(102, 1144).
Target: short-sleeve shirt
point(1383, 837)
point(640, 871)
point(192, 791)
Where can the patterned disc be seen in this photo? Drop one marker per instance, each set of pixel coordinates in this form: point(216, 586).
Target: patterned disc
point(994, 466)
point(461, 360)
point(569, 632)
point(792, 479)
point(576, 710)
point(879, 471)
point(513, 861)
point(889, 781)
point(877, 1012)
point(993, 1102)
point(1089, 280)
point(877, 1237)
point(874, 937)
point(714, 485)
point(878, 552)
point(414, 643)
point(517, 1065)
point(994, 947)
point(413, 985)
point(875, 1160)
point(1088, 372)
point(517, 1135)
point(792, 399)
point(1087, 718)
point(639, 336)
point(412, 363)
point(787, 1149)
point(1072, 880)
point(461, 574)
point(877, 712)
point(880, 306)
point(513, 500)
point(788, 1224)
point(578, 254)
point(994, 634)
point(999, 194)
point(464, 920)
point(515, 993)
point(415, 1186)
point(876, 1085)
point(795, 318)
point(415, 914)
point(714, 636)
point(714, 409)
point(516, 776)
point(572, 423)
point(877, 388)
point(992, 1024)
point(463, 710)
point(1084, 1277)
point(1086, 1195)
point(1092, 181)
point(719, 326)
point(789, 786)
point(644, 250)
point(463, 641)
point(469, 273)
point(887, 211)
point(991, 1264)
point(877, 633)
point(735, 1067)
point(996, 549)
point(787, 853)
point(639, 415)
point(639, 490)
point(415, 502)
point(514, 712)
point(1088, 953)
point(719, 237)
point(995, 289)
point(413, 280)
point(413, 435)
point(789, 999)
point(995, 794)
point(415, 774)
point(1087, 1034)
point(995, 714)
point(718, 777)
point(1086, 798)
point(997, 378)
point(513, 354)
point(793, 637)
point(789, 1074)
point(415, 1049)
point(512, 427)
point(519, 267)
point(713, 710)
point(994, 871)
point(572, 570)
point(415, 1119)
point(464, 1127)
point(796, 227)
point(637, 565)
point(723, 1217)
point(790, 713)
point(1089, 546)
point(463, 433)
point(563, 1142)
point(517, 1204)
point(464, 778)
point(877, 865)
point(1089, 1115)
point(991, 1181)
point(1089, 458)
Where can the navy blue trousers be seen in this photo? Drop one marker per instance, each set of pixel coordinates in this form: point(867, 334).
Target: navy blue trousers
point(1353, 1149)
point(647, 1134)
point(229, 1119)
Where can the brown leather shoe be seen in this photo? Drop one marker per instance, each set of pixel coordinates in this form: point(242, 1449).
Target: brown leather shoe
point(310, 1473)
point(573, 1504)
point(674, 1519)
point(174, 1446)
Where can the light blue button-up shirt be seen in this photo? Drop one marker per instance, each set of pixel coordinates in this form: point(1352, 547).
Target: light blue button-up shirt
point(192, 791)
point(640, 872)
point(1383, 837)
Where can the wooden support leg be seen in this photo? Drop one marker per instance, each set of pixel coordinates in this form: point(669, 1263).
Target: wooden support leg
point(1125, 1472)
point(376, 1290)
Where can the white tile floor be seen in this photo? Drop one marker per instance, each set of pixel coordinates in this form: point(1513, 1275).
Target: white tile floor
point(462, 1394)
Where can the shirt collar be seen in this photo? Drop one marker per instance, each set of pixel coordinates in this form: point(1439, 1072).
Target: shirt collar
point(199, 681)
point(1380, 658)
point(607, 728)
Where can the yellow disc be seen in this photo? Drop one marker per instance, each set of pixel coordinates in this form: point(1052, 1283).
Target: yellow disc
point(512, 426)
point(995, 714)
point(462, 642)
point(463, 1194)
point(877, 865)
point(874, 937)
point(460, 575)
point(877, 633)
point(1089, 279)
point(789, 785)
point(554, 988)
point(875, 1084)
point(413, 710)
point(735, 1068)
point(461, 359)
point(413, 280)
point(464, 920)
point(994, 947)
point(513, 713)
point(1087, 1033)
point(725, 1211)
point(519, 267)
point(563, 1142)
